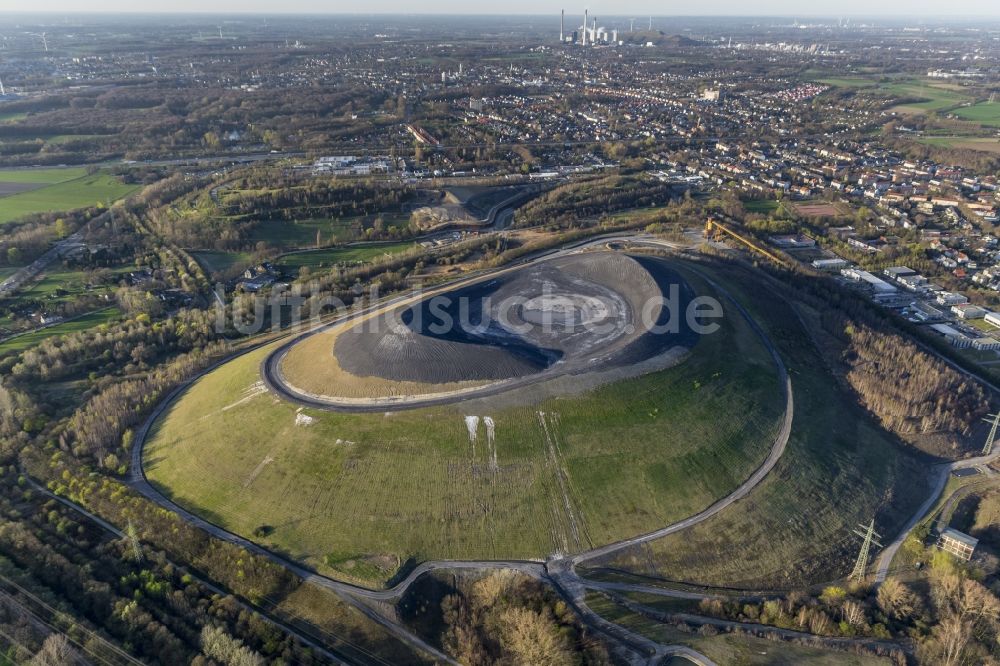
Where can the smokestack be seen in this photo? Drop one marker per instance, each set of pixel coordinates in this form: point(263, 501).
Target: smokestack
point(562, 25)
point(585, 19)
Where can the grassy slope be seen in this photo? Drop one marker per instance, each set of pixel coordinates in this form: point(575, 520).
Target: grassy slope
point(637, 455)
point(66, 195)
point(44, 176)
point(217, 261)
point(839, 470)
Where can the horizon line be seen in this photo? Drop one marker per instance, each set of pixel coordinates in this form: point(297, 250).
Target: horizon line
point(237, 12)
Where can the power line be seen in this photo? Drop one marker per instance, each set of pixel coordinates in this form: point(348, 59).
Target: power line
point(133, 540)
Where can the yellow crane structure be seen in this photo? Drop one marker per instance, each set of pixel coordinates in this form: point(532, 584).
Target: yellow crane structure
point(715, 230)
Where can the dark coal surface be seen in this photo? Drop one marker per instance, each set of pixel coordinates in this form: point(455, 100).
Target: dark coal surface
point(570, 314)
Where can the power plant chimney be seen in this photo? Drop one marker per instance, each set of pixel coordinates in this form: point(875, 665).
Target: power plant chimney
point(585, 13)
point(562, 25)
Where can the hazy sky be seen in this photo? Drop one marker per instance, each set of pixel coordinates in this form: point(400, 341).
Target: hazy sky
point(901, 8)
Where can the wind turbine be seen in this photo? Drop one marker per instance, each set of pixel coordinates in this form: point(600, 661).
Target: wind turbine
point(45, 42)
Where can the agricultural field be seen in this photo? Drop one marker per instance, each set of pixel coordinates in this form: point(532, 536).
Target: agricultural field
point(353, 254)
point(27, 340)
point(984, 144)
point(12, 116)
point(846, 82)
point(926, 95)
point(360, 496)
point(985, 113)
point(795, 528)
point(48, 190)
point(41, 176)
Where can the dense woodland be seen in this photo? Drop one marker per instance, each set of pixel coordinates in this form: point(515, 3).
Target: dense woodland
point(953, 618)
point(501, 618)
point(315, 198)
point(908, 389)
point(574, 204)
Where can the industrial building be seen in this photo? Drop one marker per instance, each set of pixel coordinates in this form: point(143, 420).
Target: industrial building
point(951, 298)
point(968, 311)
point(959, 544)
point(986, 344)
point(832, 265)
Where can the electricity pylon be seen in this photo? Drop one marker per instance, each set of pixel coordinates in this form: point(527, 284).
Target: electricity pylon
point(995, 420)
point(133, 539)
point(870, 537)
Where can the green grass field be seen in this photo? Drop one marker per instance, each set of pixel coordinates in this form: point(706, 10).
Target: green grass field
point(87, 321)
point(761, 205)
point(928, 95)
point(217, 262)
point(847, 82)
point(314, 259)
point(41, 176)
point(983, 144)
point(839, 470)
point(933, 97)
point(985, 113)
point(64, 189)
point(12, 116)
point(58, 282)
point(357, 494)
